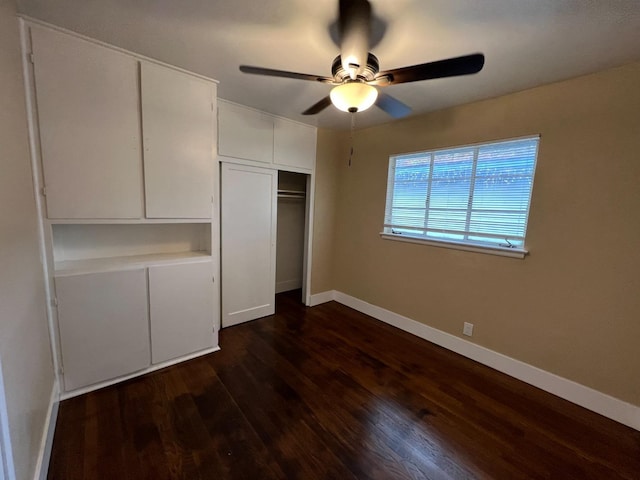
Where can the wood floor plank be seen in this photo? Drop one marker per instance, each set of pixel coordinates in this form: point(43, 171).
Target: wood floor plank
point(282, 422)
point(377, 377)
point(353, 423)
point(231, 435)
point(329, 393)
point(336, 384)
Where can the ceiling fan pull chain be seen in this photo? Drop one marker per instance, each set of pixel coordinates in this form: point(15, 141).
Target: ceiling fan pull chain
point(353, 126)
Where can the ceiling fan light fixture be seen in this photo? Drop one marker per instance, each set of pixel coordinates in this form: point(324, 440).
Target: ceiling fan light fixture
point(353, 96)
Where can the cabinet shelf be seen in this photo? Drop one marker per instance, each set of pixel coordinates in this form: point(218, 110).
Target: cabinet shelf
point(110, 264)
point(124, 221)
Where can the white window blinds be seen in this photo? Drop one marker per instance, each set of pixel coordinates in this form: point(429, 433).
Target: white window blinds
point(477, 194)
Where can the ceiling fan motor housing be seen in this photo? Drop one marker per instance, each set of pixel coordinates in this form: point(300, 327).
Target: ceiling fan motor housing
point(340, 75)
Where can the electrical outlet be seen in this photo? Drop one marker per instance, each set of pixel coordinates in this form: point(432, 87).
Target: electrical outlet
point(468, 329)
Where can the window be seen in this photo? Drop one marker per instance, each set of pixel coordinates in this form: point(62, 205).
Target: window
point(476, 196)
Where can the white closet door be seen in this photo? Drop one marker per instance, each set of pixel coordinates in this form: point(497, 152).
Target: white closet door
point(104, 326)
point(181, 307)
point(249, 215)
point(89, 117)
point(179, 130)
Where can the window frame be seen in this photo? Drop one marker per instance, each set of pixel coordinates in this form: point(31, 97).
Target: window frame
point(466, 245)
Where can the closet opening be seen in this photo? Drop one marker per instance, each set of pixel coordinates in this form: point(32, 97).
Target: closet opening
point(265, 235)
point(292, 233)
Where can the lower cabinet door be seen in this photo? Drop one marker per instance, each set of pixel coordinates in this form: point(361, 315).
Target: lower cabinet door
point(104, 327)
point(181, 304)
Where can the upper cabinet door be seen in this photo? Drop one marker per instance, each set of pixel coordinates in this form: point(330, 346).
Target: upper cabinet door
point(179, 132)
point(244, 133)
point(89, 116)
point(294, 144)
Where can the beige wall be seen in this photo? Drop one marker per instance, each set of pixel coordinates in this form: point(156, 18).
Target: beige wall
point(572, 307)
point(330, 153)
point(25, 353)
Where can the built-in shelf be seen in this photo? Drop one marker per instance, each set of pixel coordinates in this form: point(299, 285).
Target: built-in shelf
point(109, 264)
point(92, 248)
point(125, 221)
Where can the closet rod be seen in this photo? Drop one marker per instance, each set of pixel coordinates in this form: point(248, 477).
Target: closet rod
point(293, 192)
point(282, 193)
point(289, 195)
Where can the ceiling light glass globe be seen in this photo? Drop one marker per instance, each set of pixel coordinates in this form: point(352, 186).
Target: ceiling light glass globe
point(353, 96)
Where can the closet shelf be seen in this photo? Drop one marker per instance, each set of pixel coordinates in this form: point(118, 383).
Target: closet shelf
point(110, 264)
point(291, 193)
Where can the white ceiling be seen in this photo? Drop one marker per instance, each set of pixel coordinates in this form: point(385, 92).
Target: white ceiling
point(526, 43)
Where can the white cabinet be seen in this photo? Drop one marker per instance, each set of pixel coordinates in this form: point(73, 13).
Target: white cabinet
point(103, 324)
point(89, 117)
point(131, 194)
point(244, 133)
point(101, 271)
point(117, 322)
point(181, 309)
point(93, 104)
point(294, 144)
point(178, 129)
point(248, 212)
point(248, 134)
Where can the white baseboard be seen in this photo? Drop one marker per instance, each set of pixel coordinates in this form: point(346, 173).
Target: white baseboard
point(44, 454)
point(586, 397)
point(322, 297)
point(287, 285)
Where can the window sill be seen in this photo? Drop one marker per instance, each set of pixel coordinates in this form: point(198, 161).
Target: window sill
point(488, 249)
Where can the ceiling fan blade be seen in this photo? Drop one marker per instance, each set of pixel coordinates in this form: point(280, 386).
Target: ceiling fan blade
point(451, 67)
point(354, 24)
point(392, 105)
point(318, 107)
point(284, 74)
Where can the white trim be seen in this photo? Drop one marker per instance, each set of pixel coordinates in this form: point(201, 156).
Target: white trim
point(586, 397)
point(44, 229)
point(139, 373)
point(322, 297)
point(308, 234)
point(7, 469)
point(267, 165)
point(488, 249)
point(44, 454)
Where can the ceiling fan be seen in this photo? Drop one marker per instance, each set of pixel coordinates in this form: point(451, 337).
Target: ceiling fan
point(356, 73)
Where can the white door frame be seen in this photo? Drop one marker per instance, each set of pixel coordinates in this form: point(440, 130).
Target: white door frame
point(308, 240)
point(7, 472)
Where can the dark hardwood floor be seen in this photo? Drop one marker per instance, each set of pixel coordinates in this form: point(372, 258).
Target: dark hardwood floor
point(327, 392)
